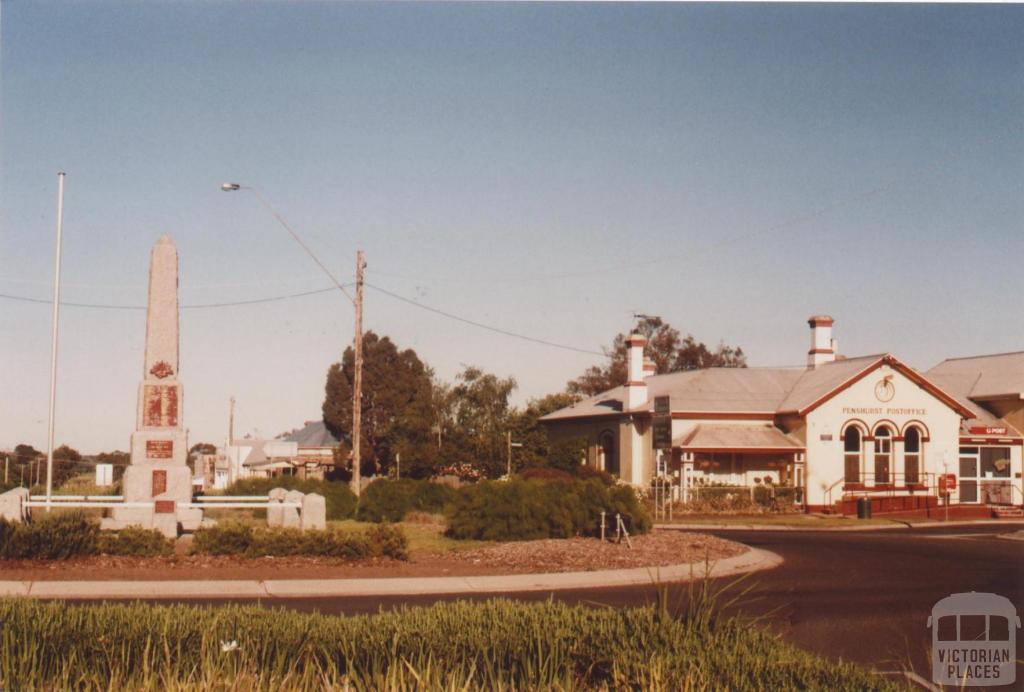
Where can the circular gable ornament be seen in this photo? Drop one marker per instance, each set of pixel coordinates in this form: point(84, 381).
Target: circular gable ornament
point(884, 389)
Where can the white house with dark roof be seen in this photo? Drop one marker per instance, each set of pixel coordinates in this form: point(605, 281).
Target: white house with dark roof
point(835, 430)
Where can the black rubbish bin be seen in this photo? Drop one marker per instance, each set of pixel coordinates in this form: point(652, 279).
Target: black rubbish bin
point(863, 508)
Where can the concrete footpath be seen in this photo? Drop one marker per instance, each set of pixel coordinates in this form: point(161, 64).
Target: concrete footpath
point(898, 524)
point(750, 561)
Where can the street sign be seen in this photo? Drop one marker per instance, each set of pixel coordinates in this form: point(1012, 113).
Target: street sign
point(661, 433)
point(988, 430)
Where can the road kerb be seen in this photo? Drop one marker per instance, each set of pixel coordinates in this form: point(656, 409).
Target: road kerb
point(752, 560)
point(896, 525)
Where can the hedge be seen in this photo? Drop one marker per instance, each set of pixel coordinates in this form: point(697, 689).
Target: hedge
point(341, 501)
point(391, 500)
point(63, 535)
point(233, 538)
point(523, 510)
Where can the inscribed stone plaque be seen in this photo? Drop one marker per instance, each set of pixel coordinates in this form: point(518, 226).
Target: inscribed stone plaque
point(160, 404)
point(164, 506)
point(159, 449)
point(159, 482)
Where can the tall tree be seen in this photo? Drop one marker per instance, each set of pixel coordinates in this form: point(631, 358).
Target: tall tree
point(481, 414)
point(397, 415)
point(669, 351)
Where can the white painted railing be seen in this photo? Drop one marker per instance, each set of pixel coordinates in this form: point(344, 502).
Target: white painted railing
point(73, 498)
point(85, 503)
point(238, 505)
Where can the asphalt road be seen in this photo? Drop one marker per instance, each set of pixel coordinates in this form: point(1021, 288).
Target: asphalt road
point(860, 596)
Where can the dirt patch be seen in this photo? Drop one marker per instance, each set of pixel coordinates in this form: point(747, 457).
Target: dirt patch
point(658, 549)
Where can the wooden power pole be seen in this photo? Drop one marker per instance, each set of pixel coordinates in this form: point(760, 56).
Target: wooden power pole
point(357, 378)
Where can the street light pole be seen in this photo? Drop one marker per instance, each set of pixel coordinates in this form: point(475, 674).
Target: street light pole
point(357, 345)
point(53, 341)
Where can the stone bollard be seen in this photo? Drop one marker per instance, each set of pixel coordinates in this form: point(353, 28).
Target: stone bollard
point(314, 512)
point(275, 512)
point(291, 514)
point(12, 505)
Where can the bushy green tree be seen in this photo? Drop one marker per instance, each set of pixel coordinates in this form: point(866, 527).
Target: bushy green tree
point(481, 416)
point(670, 352)
point(397, 413)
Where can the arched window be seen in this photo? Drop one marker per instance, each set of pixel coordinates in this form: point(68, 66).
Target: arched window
point(912, 456)
point(609, 452)
point(883, 455)
point(851, 454)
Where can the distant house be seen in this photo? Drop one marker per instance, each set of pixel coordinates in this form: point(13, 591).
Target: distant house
point(315, 449)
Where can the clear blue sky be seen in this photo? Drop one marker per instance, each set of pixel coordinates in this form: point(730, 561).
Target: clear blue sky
point(548, 169)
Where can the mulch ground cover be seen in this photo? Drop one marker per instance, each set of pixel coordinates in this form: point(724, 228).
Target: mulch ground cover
point(657, 549)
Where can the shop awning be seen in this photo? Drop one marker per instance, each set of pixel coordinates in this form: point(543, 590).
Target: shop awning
point(746, 439)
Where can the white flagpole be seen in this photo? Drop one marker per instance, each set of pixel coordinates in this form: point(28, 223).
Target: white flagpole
point(53, 343)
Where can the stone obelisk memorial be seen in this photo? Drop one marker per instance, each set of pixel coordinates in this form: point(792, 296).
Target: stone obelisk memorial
point(159, 475)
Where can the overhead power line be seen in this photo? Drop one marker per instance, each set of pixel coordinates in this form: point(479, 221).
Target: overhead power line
point(196, 306)
point(480, 325)
point(271, 299)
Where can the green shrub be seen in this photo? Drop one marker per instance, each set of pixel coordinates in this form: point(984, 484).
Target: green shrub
point(231, 538)
point(522, 510)
point(54, 536)
point(224, 538)
point(545, 473)
point(584, 472)
point(390, 500)
point(135, 541)
point(495, 644)
point(341, 501)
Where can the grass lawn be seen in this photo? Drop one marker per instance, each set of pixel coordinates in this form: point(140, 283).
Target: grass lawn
point(424, 536)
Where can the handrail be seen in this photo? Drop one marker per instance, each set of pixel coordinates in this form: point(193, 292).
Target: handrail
point(891, 487)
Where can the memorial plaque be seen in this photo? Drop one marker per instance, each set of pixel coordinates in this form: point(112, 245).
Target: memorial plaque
point(159, 482)
point(164, 506)
point(661, 405)
point(160, 405)
point(159, 449)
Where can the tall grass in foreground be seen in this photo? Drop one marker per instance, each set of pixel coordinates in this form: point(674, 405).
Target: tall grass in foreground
point(497, 644)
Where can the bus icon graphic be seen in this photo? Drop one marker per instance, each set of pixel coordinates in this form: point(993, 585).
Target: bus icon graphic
point(974, 640)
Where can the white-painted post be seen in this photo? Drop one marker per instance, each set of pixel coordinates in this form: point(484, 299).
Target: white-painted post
point(53, 341)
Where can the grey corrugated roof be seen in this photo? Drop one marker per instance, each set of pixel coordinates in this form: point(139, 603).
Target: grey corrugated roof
point(749, 390)
point(739, 390)
point(752, 437)
point(256, 457)
point(815, 383)
point(983, 377)
point(314, 434)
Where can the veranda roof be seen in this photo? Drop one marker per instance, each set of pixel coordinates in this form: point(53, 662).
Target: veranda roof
point(754, 439)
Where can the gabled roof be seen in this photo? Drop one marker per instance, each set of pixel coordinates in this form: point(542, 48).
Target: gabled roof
point(753, 438)
point(314, 434)
point(719, 390)
point(820, 384)
point(980, 378)
point(767, 391)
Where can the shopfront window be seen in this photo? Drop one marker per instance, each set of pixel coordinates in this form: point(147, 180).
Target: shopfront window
point(912, 456)
point(995, 462)
point(883, 455)
point(851, 454)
